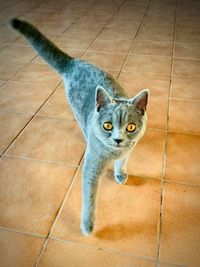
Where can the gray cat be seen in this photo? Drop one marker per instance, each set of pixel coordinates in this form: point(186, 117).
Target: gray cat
point(112, 123)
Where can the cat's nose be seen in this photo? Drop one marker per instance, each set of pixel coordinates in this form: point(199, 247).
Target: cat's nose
point(118, 141)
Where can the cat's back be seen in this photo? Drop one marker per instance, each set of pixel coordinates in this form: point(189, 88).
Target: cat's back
point(84, 77)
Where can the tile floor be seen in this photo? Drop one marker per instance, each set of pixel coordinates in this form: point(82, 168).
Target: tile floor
point(152, 221)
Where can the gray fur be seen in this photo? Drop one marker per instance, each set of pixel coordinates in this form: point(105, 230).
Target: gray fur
point(95, 98)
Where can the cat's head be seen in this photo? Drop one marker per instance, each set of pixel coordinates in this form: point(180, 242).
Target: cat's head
point(120, 123)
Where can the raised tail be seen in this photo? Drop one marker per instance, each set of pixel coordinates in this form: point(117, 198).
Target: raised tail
point(45, 48)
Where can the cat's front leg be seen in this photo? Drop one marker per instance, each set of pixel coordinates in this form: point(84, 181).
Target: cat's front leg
point(120, 172)
point(93, 165)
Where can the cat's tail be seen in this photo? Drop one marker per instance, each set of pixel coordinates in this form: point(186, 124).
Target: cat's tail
point(45, 48)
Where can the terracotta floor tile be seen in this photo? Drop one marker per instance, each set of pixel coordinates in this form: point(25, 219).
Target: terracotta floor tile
point(131, 228)
point(17, 53)
point(148, 64)
point(74, 52)
point(58, 253)
point(101, 12)
point(1, 82)
point(8, 69)
point(90, 32)
point(51, 29)
point(30, 191)
point(158, 35)
point(123, 26)
point(50, 139)
point(120, 24)
point(10, 126)
point(21, 41)
point(188, 51)
point(115, 34)
point(183, 153)
point(152, 48)
point(137, 16)
point(38, 73)
point(157, 113)
point(5, 4)
point(76, 11)
point(35, 17)
point(18, 7)
point(184, 116)
point(186, 67)
point(180, 240)
point(146, 159)
point(74, 43)
point(58, 106)
point(187, 35)
point(133, 82)
point(58, 18)
point(48, 9)
point(186, 88)
point(6, 35)
point(169, 265)
point(23, 97)
point(2, 45)
point(159, 15)
point(122, 45)
point(87, 20)
point(105, 60)
point(19, 250)
point(159, 24)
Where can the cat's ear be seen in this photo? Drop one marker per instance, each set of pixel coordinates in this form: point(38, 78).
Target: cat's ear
point(140, 101)
point(102, 98)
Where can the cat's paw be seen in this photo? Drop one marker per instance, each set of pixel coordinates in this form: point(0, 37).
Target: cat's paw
point(121, 178)
point(87, 227)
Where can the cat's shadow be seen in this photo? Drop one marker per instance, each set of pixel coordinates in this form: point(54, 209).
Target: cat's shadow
point(123, 230)
point(132, 180)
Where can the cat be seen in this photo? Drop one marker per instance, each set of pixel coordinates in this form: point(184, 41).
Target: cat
point(112, 123)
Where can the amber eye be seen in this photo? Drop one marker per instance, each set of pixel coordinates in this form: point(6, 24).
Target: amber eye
point(131, 127)
point(107, 126)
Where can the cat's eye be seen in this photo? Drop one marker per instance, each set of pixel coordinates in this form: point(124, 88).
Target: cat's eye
point(131, 127)
point(107, 126)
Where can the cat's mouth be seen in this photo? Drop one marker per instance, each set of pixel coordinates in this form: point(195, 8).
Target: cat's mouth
point(117, 146)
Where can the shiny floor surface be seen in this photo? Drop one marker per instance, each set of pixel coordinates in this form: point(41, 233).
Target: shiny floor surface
point(153, 220)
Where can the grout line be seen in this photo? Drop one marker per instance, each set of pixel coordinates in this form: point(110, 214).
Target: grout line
point(138, 30)
point(185, 99)
point(104, 26)
point(188, 58)
point(22, 232)
point(148, 55)
point(56, 117)
point(59, 212)
point(40, 161)
point(76, 166)
point(185, 133)
point(182, 183)
point(105, 249)
point(166, 142)
point(2, 9)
